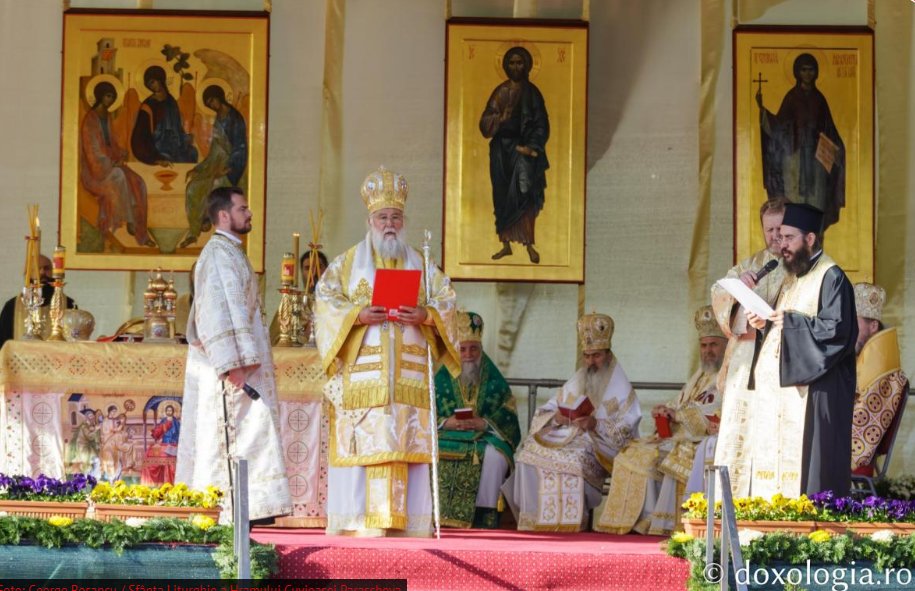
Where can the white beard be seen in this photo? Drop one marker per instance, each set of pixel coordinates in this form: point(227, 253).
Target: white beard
point(470, 372)
point(712, 366)
point(390, 247)
point(595, 383)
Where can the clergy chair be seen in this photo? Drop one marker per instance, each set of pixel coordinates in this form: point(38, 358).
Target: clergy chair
point(864, 479)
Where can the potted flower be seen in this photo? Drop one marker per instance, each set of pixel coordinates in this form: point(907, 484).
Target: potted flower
point(863, 516)
point(122, 501)
point(44, 497)
point(754, 513)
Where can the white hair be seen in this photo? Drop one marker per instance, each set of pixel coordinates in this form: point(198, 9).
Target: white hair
point(596, 381)
point(470, 372)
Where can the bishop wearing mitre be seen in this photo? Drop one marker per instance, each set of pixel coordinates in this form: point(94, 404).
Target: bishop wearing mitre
point(381, 427)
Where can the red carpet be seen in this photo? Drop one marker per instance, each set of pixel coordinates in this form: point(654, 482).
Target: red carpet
point(477, 559)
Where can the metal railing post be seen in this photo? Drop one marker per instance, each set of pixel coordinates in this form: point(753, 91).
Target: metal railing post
point(730, 543)
point(710, 475)
point(240, 517)
point(531, 404)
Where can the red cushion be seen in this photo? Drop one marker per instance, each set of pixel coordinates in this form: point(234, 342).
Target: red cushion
point(864, 471)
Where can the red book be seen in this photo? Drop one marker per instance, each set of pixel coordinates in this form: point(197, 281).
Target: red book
point(581, 407)
point(463, 414)
point(395, 288)
point(662, 424)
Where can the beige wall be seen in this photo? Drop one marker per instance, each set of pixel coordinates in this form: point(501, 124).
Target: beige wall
point(642, 163)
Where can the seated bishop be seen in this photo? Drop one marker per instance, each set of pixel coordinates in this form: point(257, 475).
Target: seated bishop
point(881, 381)
point(564, 461)
point(650, 474)
point(478, 432)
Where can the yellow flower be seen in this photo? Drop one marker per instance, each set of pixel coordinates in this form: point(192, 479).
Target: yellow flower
point(58, 521)
point(819, 536)
point(203, 522)
point(682, 537)
point(696, 504)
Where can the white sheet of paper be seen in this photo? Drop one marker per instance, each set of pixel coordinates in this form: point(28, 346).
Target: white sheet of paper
point(747, 298)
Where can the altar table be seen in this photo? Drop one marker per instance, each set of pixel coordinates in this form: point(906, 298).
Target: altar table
point(103, 408)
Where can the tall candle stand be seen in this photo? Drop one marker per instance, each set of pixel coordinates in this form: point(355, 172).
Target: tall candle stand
point(57, 311)
point(290, 307)
point(308, 328)
point(32, 300)
point(58, 300)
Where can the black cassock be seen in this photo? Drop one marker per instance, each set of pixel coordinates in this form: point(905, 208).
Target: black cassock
point(820, 352)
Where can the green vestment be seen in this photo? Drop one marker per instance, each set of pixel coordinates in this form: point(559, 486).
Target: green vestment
point(461, 452)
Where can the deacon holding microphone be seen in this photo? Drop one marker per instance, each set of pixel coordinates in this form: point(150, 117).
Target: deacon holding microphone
point(230, 400)
point(804, 370)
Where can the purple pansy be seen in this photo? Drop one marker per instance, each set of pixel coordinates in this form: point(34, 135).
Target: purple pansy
point(45, 488)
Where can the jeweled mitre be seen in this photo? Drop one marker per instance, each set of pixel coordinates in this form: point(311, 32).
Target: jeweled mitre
point(595, 331)
point(469, 327)
point(869, 300)
point(706, 324)
point(384, 188)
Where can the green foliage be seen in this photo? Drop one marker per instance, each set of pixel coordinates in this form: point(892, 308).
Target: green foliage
point(900, 487)
point(798, 549)
point(264, 560)
point(894, 552)
point(118, 535)
point(898, 553)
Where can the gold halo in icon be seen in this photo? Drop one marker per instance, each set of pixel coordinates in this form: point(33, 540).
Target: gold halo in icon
point(118, 87)
point(531, 47)
point(204, 84)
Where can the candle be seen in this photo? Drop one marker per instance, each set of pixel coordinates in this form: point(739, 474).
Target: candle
point(28, 261)
point(288, 269)
point(36, 250)
point(315, 246)
point(32, 246)
point(60, 256)
point(295, 250)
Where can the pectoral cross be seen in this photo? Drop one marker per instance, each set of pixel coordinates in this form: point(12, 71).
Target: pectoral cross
point(759, 81)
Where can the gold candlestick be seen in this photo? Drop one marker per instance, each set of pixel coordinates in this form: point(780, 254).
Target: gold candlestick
point(309, 314)
point(57, 311)
point(32, 300)
point(295, 250)
point(58, 300)
point(287, 318)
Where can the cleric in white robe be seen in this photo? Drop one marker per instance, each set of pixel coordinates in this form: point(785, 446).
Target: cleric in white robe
point(562, 465)
point(228, 347)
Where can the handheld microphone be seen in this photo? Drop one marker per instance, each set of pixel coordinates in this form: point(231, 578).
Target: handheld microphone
point(767, 268)
point(251, 392)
